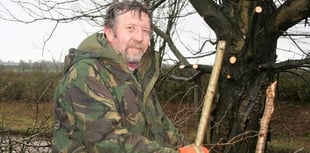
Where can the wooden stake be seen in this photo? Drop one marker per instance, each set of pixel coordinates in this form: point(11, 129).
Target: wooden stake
point(205, 114)
point(264, 123)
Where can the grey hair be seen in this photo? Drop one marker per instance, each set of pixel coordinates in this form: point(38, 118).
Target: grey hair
point(119, 8)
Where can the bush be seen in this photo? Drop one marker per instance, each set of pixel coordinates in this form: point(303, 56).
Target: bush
point(171, 90)
point(40, 86)
point(28, 86)
point(292, 86)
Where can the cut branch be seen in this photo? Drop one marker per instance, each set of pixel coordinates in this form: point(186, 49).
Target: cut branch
point(199, 67)
point(264, 123)
point(207, 104)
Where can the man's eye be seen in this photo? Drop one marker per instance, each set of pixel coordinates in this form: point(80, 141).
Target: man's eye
point(130, 28)
point(146, 31)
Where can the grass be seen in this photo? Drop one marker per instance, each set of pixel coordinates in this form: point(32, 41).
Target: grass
point(289, 144)
point(19, 117)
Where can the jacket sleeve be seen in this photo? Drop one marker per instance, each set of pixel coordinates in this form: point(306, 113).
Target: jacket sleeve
point(86, 119)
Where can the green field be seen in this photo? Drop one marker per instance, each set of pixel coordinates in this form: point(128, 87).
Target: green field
point(19, 117)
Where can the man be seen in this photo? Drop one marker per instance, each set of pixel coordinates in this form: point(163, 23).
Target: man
point(106, 101)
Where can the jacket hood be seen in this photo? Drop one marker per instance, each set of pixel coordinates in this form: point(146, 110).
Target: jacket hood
point(98, 44)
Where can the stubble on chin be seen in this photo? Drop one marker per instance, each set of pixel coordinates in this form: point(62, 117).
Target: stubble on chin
point(136, 58)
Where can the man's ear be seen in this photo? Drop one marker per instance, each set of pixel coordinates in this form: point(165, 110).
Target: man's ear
point(108, 33)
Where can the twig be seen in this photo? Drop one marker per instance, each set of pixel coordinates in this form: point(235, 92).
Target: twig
point(31, 145)
point(264, 123)
point(236, 139)
point(299, 150)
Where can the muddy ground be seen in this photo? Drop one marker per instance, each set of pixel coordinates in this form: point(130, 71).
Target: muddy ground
point(291, 119)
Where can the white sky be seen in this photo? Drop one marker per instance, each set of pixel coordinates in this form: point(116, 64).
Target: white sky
point(24, 41)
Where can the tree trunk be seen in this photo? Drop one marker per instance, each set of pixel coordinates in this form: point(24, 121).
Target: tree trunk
point(242, 94)
point(242, 84)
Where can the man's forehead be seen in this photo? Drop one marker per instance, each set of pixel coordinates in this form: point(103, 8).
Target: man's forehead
point(135, 14)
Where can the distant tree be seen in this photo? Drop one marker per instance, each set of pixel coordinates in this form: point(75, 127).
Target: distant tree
point(251, 29)
point(23, 66)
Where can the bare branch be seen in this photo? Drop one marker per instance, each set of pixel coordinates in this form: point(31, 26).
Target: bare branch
point(199, 67)
point(63, 12)
point(289, 64)
point(202, 55)
point(189, 79)
point(296, 44)
point(172, 46)
point(49, 37)
point(157, 4)
point(290, 13)
point(236, 139)
point(295, 34)
point(213, 16)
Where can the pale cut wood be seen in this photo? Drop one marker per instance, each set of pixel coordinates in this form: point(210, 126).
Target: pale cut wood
point(205, 114)
point(264, 123)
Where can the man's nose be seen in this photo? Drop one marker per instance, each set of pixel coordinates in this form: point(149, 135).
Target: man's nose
point(138, 35)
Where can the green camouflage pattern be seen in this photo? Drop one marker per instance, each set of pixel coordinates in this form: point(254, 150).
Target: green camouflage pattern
point(102, 107)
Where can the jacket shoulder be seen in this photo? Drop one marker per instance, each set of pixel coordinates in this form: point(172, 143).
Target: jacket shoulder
point(74, 56)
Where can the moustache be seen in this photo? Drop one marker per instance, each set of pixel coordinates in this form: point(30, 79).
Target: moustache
point(136, 45)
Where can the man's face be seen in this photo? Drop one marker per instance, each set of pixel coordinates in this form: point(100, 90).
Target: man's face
point(131, 35)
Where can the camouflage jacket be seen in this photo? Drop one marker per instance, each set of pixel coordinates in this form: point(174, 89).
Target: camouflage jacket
point(101, 106)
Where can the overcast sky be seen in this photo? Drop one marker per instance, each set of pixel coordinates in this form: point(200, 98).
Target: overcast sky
point(25, 41)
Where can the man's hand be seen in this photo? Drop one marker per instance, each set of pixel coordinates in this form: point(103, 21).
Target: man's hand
point(193, 149)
